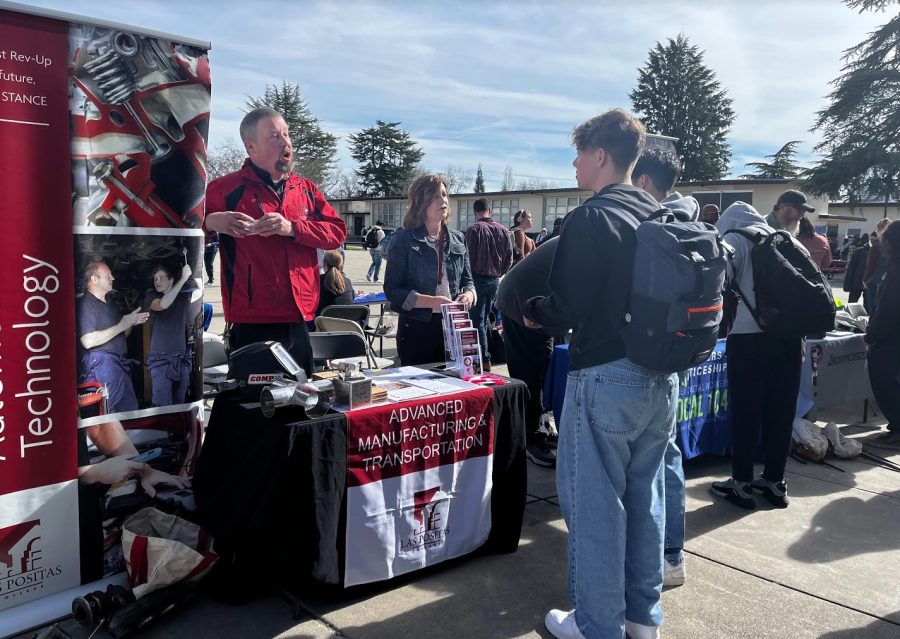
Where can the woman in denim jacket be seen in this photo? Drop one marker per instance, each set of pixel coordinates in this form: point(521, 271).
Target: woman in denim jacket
point(428, 265)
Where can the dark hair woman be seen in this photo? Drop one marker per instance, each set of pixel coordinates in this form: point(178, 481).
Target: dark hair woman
point(883, 336)
point(428, 265)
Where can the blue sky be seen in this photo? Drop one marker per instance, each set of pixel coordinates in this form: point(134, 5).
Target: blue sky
point(503, 83)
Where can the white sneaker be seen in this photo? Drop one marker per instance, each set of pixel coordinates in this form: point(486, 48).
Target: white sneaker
point(673, 575)
point(638, 631)
point(561, 624)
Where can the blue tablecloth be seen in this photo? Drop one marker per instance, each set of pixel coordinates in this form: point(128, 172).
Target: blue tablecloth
point(703, 414)
point(833, 374)
point(371, 298)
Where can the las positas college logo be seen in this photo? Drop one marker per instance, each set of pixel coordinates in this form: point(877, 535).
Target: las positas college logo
point(21, 567)
point(429, 522)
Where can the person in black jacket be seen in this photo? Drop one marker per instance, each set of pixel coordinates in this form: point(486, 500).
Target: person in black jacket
point(883, 337)
point(853, 277)
point(617, 416)
point(528, 350)
point(334, 287)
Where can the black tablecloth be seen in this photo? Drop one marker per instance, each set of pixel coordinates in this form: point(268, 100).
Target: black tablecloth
point(271, 492)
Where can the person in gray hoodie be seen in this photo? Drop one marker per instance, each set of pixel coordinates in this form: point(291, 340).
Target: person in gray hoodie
point(763, 378)
point(656, 172)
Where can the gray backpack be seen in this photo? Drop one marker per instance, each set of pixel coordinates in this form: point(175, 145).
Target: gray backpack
point(675, 306)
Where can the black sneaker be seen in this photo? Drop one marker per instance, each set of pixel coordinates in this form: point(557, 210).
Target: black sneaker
point(774, 493)
point(890, 439)
point(737, 492)
point(553, 440)
point(541, 454)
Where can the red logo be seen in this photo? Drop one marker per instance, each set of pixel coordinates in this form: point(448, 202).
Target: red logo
point(21, 569)
point(421, 500)
point(15, 550)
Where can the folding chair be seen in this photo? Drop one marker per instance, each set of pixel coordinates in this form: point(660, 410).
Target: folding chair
point(338, 345)
point(337, 324)
point(354, 312)
point(361, 313)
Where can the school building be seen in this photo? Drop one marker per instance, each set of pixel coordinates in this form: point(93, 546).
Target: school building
point(835, 219)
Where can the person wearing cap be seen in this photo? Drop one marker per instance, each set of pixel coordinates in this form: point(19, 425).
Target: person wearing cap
point(373, 240)
point(789, 208)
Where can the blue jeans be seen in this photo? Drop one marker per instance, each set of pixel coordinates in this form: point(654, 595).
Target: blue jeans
point(616, 422)
point(486, 292)
point(674, 540)
point(375, 269)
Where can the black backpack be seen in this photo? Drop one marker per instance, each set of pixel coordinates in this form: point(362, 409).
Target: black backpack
point(793, 298)
point(675, 305)
point(372, 238)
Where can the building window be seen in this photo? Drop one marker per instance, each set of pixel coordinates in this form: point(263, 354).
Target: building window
point(464, 214)
point(730, 197)
point(391, 213)
point(343, 207)
point(708, 197)
point(556, 207)
point(501, 210)
point(722, 199)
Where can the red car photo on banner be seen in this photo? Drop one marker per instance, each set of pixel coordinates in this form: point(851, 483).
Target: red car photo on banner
point(140, 117)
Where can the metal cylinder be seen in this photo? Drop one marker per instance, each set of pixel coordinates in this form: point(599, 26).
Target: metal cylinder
point(306, 396)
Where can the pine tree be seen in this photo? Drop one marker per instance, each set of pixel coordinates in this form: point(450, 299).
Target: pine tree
point(315, 150)
point(861, 126)
point(781, 164)
point(387, 156)
point(678, 95)
point(479, 180)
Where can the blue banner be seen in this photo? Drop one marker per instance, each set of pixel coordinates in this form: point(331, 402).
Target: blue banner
point(703, 413)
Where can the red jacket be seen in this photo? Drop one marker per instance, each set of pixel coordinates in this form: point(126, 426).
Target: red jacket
point(273, 279)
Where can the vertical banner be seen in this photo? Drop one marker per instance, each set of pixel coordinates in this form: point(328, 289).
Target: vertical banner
point(418, 483)
point(103, 167)
point(38, 496)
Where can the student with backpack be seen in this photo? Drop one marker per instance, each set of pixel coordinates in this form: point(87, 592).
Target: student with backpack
point(656, 172)
point(782, 297)
point(618, 415)
point(373, 239)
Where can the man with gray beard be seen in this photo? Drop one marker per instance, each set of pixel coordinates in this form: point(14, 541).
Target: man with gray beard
point(789, 208)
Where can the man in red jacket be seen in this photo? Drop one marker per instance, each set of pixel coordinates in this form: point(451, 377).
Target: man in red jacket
point(270, 222)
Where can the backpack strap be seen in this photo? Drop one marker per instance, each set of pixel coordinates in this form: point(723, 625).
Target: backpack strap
point(664, 215)
point(756, 238)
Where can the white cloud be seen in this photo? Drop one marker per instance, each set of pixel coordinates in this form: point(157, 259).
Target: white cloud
point(504, 83)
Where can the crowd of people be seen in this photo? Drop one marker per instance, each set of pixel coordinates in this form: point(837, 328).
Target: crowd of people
point(619, 472)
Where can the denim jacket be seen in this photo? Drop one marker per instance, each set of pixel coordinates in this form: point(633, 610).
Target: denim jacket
point(412, 269)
